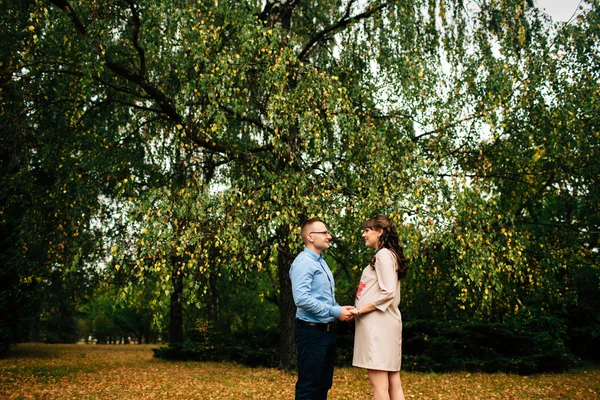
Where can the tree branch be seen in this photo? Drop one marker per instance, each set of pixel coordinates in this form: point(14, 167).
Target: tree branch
point(66, 7)
point(164, 103)
point(342, 23)
point(537, 194)
point(136, 32)
point(97, 79)
point(450, 125)
point(133, 105)
point(253, 121)
point(279, 12)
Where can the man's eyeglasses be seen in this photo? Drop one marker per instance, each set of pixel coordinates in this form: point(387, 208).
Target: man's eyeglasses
point(321, 233)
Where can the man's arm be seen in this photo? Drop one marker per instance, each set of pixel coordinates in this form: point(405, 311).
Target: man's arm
point(301, 275)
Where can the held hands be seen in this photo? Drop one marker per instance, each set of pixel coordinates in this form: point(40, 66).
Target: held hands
point(348, 313)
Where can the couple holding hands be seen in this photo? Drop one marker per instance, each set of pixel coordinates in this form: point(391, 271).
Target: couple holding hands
point(378, 333)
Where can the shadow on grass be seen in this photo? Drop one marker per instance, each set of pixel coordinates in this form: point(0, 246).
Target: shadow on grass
point(38, 351)
point(42, 373)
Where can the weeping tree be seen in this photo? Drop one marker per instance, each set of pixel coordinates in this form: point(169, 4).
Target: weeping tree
point(258, 96)
point(539, 163)
point(520, 237)
point(243, 118)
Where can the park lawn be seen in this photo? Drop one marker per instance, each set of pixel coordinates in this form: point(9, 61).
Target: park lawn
point(36, 371)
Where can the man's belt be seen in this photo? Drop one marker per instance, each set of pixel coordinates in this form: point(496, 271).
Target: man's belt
point(326, 327)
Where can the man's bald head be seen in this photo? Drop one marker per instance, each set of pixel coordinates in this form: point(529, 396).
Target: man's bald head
point(307, 227)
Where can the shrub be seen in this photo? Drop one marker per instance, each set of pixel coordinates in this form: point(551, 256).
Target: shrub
point(205, 343)
point(519, 346)
point(523, 347)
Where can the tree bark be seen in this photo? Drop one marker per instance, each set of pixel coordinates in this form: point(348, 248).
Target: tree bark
point(287, 308)
point(147, 328)
point(213, 306)
point(35, 325)
point(176, 312)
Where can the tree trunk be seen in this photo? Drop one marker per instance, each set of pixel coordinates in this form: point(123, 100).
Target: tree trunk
point(287, 308)
point(148, 328)
point(277, 12)
point(213, 302)
point(34, 330)
point(176, 313)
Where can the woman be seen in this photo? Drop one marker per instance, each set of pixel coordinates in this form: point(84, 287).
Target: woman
point(378, 339)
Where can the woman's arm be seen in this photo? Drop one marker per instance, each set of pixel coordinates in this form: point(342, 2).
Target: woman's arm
point(364, 310)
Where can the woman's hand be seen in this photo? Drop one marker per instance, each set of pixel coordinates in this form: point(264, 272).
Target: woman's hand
point(347, 315)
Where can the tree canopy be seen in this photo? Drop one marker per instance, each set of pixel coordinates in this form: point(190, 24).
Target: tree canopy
point(166, 145)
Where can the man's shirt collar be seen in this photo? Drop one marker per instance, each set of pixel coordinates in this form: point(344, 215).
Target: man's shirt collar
point(313, 255)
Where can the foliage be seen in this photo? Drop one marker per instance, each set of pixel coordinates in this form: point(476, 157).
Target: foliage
point(59, 325)
point(55, 167)
point(109, 320)
point(180, 143)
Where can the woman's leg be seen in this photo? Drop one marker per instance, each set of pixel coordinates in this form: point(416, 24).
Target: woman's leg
point(379, 384)
point(396, 392)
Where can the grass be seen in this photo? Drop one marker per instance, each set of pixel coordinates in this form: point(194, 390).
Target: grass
point(36, 371)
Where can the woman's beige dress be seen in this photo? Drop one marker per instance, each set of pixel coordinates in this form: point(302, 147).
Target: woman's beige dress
point(378, 336)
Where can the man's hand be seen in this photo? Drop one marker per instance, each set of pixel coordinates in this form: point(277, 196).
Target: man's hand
point(346, 315)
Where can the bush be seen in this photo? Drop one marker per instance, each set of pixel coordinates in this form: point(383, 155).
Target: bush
point(205, 343)
point(5, 340)
point(523, 347)
point(583, 333)
point(518, 346)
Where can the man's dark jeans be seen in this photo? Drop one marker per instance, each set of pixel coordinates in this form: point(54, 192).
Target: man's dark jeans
point(316, 357)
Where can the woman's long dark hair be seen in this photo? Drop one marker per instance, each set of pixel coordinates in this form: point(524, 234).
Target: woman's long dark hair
point(388, 240)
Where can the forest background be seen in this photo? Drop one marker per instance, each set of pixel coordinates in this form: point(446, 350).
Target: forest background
point(158, 158)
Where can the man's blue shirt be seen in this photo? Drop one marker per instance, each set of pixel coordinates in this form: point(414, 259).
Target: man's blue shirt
point(313, 288)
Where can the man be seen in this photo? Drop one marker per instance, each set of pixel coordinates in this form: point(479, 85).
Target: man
point(314, 294)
